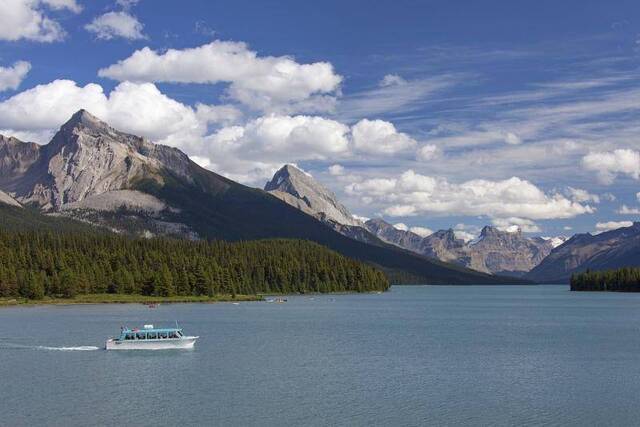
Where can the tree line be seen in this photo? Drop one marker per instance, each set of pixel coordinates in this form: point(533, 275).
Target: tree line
point(625, 279)
point(39, 263)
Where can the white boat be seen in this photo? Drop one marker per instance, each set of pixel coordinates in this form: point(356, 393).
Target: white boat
point(150, 338)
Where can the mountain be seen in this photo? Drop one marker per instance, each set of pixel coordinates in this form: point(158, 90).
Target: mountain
point(605, 251)
point(92, 172)
point(494, 251)
point(8, 200)
point(387, 232)
point(507, 252)
point(302, 191)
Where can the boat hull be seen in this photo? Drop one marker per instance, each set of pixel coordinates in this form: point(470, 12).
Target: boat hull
point(163, 344)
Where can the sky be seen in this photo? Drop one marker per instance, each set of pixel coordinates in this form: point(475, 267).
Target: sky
point(429, 114)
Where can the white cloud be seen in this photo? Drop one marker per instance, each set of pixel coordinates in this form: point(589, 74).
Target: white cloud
point(392, 80)
point(361, 218)
point(610, 164)
point(466, 232)
point(380, 137)
point(567, 228)
point(126, 4)
point(336, 170)
point(71, 5)
point(513, 224)
point(612, 225)
point(464, 235)
point(116, 24)
point(579, 195)
point(11, 77)
point(626, 210)
point(512, 138)
point(427, 152)
point(638, 196)
point(265, 83)
point(421, 231)
point(137, 108)
point(218, 114)
point(26, 19)
point(413, 194)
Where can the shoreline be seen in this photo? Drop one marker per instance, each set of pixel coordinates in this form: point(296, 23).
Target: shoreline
point(90, 299)
point(127, 299)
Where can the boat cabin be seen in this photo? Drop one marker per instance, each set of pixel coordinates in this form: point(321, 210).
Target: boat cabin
point(149, 333)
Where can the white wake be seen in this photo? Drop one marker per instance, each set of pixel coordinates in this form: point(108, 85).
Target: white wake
point(48, 348)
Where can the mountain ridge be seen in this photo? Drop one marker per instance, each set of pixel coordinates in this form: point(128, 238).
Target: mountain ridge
point(604, 251)
point(87, 158)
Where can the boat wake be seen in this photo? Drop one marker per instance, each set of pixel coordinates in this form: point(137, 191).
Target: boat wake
point(47, 348)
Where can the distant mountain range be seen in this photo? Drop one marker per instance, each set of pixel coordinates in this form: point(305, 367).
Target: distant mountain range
point(605, 251)
point(493, 252)
point(99, 175)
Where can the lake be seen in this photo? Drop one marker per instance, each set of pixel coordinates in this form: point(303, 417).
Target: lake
point(423, 355)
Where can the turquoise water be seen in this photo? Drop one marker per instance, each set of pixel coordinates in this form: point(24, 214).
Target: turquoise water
point(413, 356)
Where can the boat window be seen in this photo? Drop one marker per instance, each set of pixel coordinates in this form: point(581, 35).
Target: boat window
point(179, 334)
point(151, 335)
point(128, 337)
point(173, 335)
point(163, 335)
point(141, 335)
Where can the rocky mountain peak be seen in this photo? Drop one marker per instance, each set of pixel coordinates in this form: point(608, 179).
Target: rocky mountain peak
point(301, 190)
point(489, 231)
point(83, 118)
point(86, 157)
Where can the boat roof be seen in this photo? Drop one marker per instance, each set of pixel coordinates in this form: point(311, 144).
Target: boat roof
point(125, 329)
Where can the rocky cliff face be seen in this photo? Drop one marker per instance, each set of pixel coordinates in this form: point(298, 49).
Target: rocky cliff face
point(8, 200)
point(302, 191)
point(609, 250)
point(87, 169)
point(494, 251)
point(506, 252)
point(388, 233)
point(87, 157)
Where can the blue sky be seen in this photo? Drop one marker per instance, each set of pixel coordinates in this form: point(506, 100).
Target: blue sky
point(432, 114)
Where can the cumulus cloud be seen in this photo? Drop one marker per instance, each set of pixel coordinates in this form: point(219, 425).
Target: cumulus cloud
point(612, 225)
point(514, 224)
point(392, 80)
point(626, 210)
point(218, 114)
point(512, 138)
point(267, 83)
point(27, 19)
point(579, 195)
point(380, 137)
point(610, 164)
point(413, 194)
point(427, 152)
point(336, 170)
point(421, 231)
point(137, 108)
point(11, 77)
point(71, 5)
point(116, 24)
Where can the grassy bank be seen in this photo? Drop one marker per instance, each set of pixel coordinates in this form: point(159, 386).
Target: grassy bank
point(128, 299)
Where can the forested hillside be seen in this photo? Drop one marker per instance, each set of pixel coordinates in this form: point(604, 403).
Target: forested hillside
point(620, 280)
point(38, 263)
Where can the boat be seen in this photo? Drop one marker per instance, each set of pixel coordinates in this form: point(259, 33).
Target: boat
point(150, 338)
